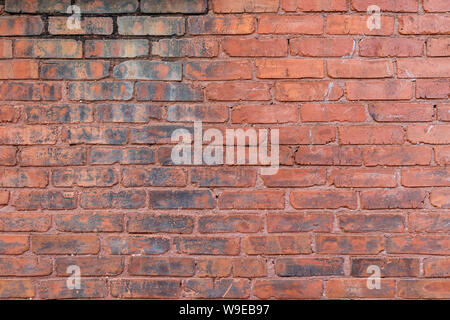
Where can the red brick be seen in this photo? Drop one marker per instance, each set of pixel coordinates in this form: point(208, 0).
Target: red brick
point(243, 24)
point(223, 177)
point(129, 155)
point(153, 177)
point(436, 267)
point(133, 113)
point(172, 267)
point(12, 244)
point(37, 6)
point(204, 113)
point(177, 6)
point(167, 91)
point(64, 244)
point(94, 135)
point(424, 24)
point(433, 89)
point(386, 47)
point(440, 198)
point(323, 199)
point(397, 155)
point(133, 245)
point(436, 6)
point(218, 70)
point(52, 156)
point(295, 177)
point(379, 90)
point(152, 223)
point(18, 69)
point(393, 199)
point(349, 244)
point(244, 200)
point(27, 91)
point(116, 48)
point(7, 156)
point(23, 178)
point(107, 6)
point(266, 47)
point(309, 267)
point(423, 68)
point(21, 26)
point(419, 244)
point(148, 70)
point(360, 68)
point(249, 268)
point(389, 267)
point(62, 113)
point(264, 114)
point(4, 197)
point(386, 5)
point(230, 223)
point(145, 288)
point(217, 289)
point(308, 91)
point(151, 26)
point(105, 90)
point(47, 48)
point(429, 222)
point(289, 69)
point(214, 267)
point(443, 111)
point(423, 177)
point(274, 244)
point(355, 24)
point(125, 199)
point(283, 289)
point(431, 134)
point(363, 178)
point(348, 112)
point(401, 112)
point(371, 135)
point(5, 49)
point(194, 47)
point(357, 288)
point(89, 222)
point(74, 70)
point(9, 113)
point(314, 5)
point(253, 91)
point(181, 199)
point(288, 24)
point(208, 245)
point(441, 155)
point(301, 222)
point(238, 6)
point(88, 25)
point(24, 222)
point(423, 289)
point(322, 47)
point(439, 47)
point(25, 266)
point(329, 155)
point(27, 135)
point(57, 289)
point(372, 222)
point(90, 266)
point(17, 289)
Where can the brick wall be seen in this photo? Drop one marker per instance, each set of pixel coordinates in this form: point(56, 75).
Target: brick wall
point(87, 179)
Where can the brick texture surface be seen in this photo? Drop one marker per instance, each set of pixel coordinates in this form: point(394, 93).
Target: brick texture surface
point(87, 177)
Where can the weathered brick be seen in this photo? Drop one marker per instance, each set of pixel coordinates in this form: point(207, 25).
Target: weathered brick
point(347, 68)
point(230, 223)
point(243, 24)
point(440, 198)
point(429, 222)
point(129, 155)
point(36, 6)
point(145, 288)
point(5, 49)
point(288, 24)
point(214, 267)
point(397, 155)
point(88, 25)
point(295, 177)
point(21, 26)
point(107, 6)
point(48, 48)
point(27, 135)
point(307, 91)
point(217, 289)
point(181, 199)
point(313, 5)
point(127, 199)
point(289, 69)
point(218, 70)
point(349, 244)
point(13, 244)
point(23, 178)
point(430, 134)
point(329, 155)
point(282, 289)
point(423, 289)
point(105, 90)
point(4, 197)
point(423, 177)
point(25, 266)
point(207, 245)
point(386, 47)
point(89, 222)
point(363, 178)
point(150, 266)
point(264, 114)
point(424, 24)
point(436, 267)
point(441, 155)
point(439, 47)
point(436, 6)
point(62, 113)
point(176, 6)
point(274, 244)
point(84, 177)
point(389, 267)
point(74, 70)
point(342, 112)
point(194, 47)
point(9, 113)
point(148, 70)
point(48, 200)
point(258, 199)
point(371, 135)
point(423, 67)
point(401, 112)
point(7, 156)
point(393, 199)
point(36, 91)
point(443, 111)
point(18, 69)
point(253, 91)
point(155, 133)
point(433, 89)
point(243, 47)
point(90, 266)
point(204, 113)
point(226, 177)
point(309, 267)
point(237, 6)
point(95, 135)
point(136, 245)
point(357, 288)
point(249, 268)
point(64, 244)
point(153, 177)
point(116, 48)
point(419, 244)
point(57, 289)
point(379, 90)
point(151, 26)
point(52, 156)
point(307, 134)
point(321, 47)
point(166, 91)
point(301, 222)
point(386, 5)
point(24, 222)
point(323, 199)
point(17, 288)
point(372, 222)
point(357, 24)
point(152, 223)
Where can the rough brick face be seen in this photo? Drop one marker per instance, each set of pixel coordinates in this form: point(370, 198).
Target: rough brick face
point(87, 175)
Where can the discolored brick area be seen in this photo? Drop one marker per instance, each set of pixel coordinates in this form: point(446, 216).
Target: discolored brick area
point(87, 178)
